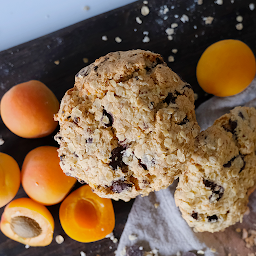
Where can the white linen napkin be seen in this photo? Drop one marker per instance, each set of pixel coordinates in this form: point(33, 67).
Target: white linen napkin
point(162, 227)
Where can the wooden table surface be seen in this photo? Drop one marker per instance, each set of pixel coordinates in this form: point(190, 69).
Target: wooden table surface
point(35, 60)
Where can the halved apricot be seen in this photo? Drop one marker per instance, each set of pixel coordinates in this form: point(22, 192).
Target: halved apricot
point(42, 178)
point(9, 178)
point(27, 222)
point(86, 217)
point(27, 109)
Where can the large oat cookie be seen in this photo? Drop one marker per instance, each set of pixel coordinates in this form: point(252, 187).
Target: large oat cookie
point(212, 193)
point(128, 125)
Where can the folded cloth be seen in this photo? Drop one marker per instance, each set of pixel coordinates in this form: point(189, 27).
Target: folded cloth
point(155, 223)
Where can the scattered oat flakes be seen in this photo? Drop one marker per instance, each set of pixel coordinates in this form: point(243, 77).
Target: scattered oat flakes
point(59, 239)
point(251, 6)
point(85, 60)
point(208, 20)
point(86, 8)
point(118, 39)
point(133, 237)
point(184, 18)
point(174, 51)
point(56, 62)
point(164, 9)
point(27, 246)
point(213, 250)
point(239, 18)
point(199, 2)
point(82, 253)
point(138, 20)
point(144, 10)
point(238, 230)
point(156, 205)
point(245, 234)
point(171, 58)
point(1, 141)
point(146, 39)
point(170, 38)
point(239, 26)
point(145, 2)
point(200, 252)
point(169, 31)
point(219, 2)
point(104, 38)
point(174, 25)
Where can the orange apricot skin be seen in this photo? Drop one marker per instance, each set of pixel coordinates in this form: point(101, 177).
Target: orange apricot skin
point(42, 178)
point(29, 208)
point(9, 178)
point(28, 109)
point(94, 222)
point(226, 68)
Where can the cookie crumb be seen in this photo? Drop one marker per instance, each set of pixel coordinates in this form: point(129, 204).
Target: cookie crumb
point(27, 246)
point(239, 18)
point(82, 253)
point(104, 38)
point(1, 141)
point(138, 20)
point(112, 238)
point(251, 6)
point(56, 62)
point(145, 32)
point(213, 250)
point(169, 31)
point(145, 2)
point(118, 39)
point(146, 39)
point(85, 60)
point(247, 212)
point(200, 252)
point(110, 247)
point(86, 8)
point(219, 2)
point(245, 234)
point(239, 26)
point(208, 20)
point(238, 230)
point(195, 96)
point(199, 2)
point(170, 38)
point(171, 58)
point(184, 18)
point(59, 239)
point(156, 205)
point(141, 248)
point(178, 253)
point(144, 10)
point(174, 25)
point(133, 237)
point(176, 16)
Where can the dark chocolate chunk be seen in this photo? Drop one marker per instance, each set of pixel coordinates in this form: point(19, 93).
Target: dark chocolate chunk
point(228, 164)
point(85, 71)
point(216, 189)
point(89, 140)
point(76, 120)
point(62, 157)
point(142, 165)
point(148, 69)
point(187, 86)
point(212, 218)
point(120, 185)
point(241, 115)
point(81, 181)
point(117, 158)
point(95, 68)
point(184, 121)
point(134, 251)
point(110, 118)
point(171, 97)
point(75, 154)
point(194, 215)
point(68, 117)
point(231, 126)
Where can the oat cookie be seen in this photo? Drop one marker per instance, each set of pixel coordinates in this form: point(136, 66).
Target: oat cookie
point(212, 193)
point(128, 125)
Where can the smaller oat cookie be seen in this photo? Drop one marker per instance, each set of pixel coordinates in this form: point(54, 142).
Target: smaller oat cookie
point(212, 193)
point(128, 125)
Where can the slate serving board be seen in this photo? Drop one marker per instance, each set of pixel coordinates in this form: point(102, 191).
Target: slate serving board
point(69, 46)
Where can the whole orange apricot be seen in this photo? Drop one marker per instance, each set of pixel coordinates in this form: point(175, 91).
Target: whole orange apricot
point(9, 178)
point(85, 216)
point(42, 178)
point(226, 68)
point(27, 222)
point(27, 109)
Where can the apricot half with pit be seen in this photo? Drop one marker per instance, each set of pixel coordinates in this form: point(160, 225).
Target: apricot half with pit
point(27, 222)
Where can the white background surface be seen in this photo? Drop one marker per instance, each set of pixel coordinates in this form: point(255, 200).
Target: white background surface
point(24, 20)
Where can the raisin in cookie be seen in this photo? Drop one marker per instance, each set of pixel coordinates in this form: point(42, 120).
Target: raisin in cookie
point(212, 193)
point(128, 125)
